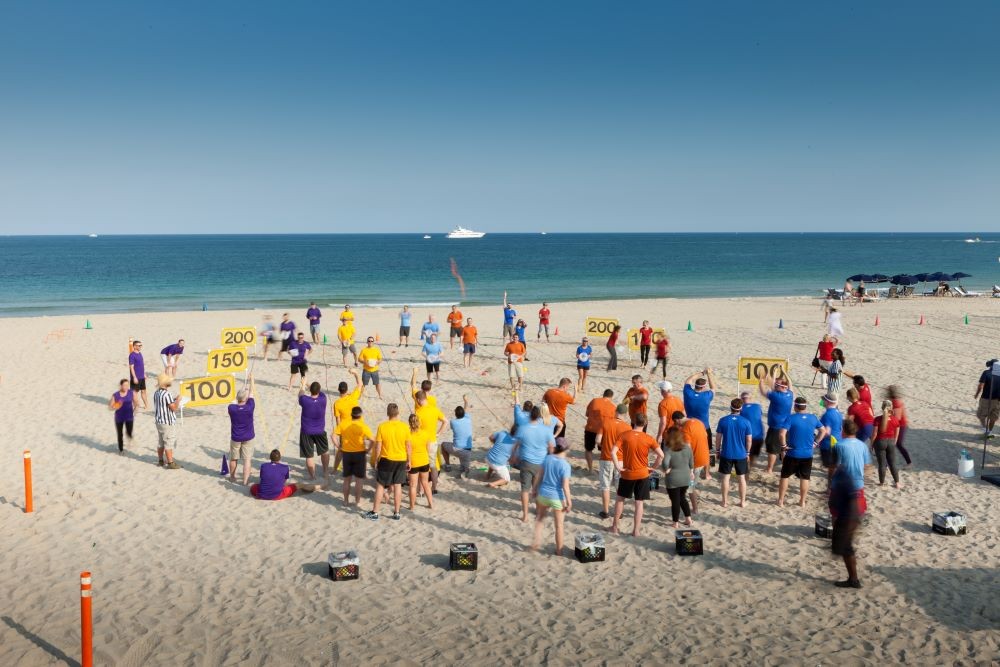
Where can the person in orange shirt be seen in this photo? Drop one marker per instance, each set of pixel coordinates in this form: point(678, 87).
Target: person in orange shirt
point(669, 404)
point(631, 456)
point(470, 337)
point(557, 399)
point(636, 397)
point(696, 437)
point(599, 410)
point(514, 351)
point(455, 323)
point(607, 472)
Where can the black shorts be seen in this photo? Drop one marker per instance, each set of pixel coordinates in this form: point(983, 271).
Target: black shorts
point(756, 445)
point(801, 468)
point(772, 441)
point(561, 433)
point(432, 368)
point(589, 441)
point(286, 343)
point(456, 332)
point(404, 331)
point(311, 444)
point(355, 464)
point(828, 456)
point(420, 469)
point(843, 535)
point(138, 386)
point(634, 488)
point(389, 472)
point(726, 466)
point(300, 368)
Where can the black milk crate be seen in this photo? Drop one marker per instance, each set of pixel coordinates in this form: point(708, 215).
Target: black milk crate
point(654, 481)
point(344, 565)
point(463, 556)
point(949, 523)
point(589, 547)
point(688, 543)
point(824, 526)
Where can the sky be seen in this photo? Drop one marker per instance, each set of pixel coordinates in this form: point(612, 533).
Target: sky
point(250, 117)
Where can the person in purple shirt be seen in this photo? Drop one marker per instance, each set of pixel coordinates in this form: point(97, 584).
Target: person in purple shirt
point(313, 315)
point(123, 403)
point(171, 357)
point(272, 480)
point(241, 432)
point(286, 330)
point(299, 350)
point(137, 372)
point(312, 433)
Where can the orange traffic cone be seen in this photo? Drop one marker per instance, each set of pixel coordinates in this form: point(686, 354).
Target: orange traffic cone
point(378, 339)
point(921, 320)
point(557, 332)
point(876, 320)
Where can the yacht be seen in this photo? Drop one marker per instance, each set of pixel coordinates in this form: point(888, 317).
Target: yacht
point(427, 236)
point(975, 240)
point(93, 236)
point(463, 233)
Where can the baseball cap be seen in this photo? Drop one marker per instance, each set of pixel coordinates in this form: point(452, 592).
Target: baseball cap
point(665, 386)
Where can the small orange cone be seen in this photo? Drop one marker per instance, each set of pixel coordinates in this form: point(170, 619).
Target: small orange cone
point(876, 320)
point(921, 320)
point(378, 339)
point(557, 332)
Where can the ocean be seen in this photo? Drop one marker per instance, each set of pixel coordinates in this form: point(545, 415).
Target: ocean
point(46, 275)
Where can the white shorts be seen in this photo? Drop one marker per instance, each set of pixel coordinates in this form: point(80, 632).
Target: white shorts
point(515, 370)
point(166, 360)
point(503, 472)
point(607, 475)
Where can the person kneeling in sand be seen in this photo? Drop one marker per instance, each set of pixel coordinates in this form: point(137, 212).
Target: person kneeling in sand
point(272, 480)
point(498, 457)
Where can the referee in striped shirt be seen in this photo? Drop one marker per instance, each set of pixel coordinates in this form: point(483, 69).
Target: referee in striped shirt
point(165, 407)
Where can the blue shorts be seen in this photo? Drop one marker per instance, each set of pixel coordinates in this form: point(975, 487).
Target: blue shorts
point(469, 348)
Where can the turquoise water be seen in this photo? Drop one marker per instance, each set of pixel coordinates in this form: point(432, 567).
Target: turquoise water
point(62, 274)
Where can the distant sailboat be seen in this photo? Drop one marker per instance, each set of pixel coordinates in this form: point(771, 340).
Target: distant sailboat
point(975, 240)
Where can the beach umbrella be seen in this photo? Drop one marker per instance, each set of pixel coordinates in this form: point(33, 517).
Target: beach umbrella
point(938, 276)
point(860, 276)
point(879, 278)
point(921, 277)
point(960, 275)
point(903, 279)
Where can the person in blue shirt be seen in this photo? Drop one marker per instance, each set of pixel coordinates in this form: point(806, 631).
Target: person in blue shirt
point(519, 330)
point(430, 327)
point(752, 413)
point(834, 422)
point(778, 391)
point(551, 491)
point(584, 353)
point(733, 436)
point(498, 457)
point(847, 499)
point(534, 442)
point(508, 318)
point(803, 433)
point(404, 327)
point(313, 315)
point(461, 436)
point(699, 390)
point(432, 351)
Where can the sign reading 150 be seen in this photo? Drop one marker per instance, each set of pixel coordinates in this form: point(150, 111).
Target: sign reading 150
point(227, 360)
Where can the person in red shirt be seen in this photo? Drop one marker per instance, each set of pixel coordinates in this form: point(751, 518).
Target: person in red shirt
point(887, 430)
point(864, 391)
point(824, 356)
point(893, 393)
point(557, 399)
point(455, 324)
point(645, 342)
point(633, 470)
point(862, 415)
point(662, 355)
point(543, 321)
point(599, 410)
point(637, 397)
point(612, 350)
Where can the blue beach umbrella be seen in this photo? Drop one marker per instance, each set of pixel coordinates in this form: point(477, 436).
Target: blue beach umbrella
point(921, 277)
point(860, 276)
point(903, 279)
point(879, 278)
point(938, 277)
point(960, 275)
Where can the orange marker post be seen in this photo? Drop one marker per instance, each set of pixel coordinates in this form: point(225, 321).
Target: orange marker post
point(29, 506)
point(86, 623)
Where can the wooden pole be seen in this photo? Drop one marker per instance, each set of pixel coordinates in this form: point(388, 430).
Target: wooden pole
point(86, 622)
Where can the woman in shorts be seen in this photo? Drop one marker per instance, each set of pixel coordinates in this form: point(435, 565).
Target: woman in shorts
point(583, 354)
point(420, 463)
point(551, 492)
point(498, 457)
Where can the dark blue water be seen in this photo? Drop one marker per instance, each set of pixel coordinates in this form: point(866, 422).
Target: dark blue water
point(61, 274)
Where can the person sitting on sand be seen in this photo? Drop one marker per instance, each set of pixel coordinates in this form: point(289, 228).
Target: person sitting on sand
point(272, 480)
point(551, 491)
point(498, 457)
point(633, 470)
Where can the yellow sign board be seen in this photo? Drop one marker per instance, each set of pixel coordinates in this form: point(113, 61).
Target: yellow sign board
point(599, 327)
point(239, 337)
point(749, 370)
point(634, 337)
point(227, 360)
point(213, 390)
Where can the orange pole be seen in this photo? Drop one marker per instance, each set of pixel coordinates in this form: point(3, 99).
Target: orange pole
point(86, 623)
point(29, 506)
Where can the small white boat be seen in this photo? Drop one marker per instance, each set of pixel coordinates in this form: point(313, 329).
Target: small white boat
point(463, 233)
point(544, 233)
point(93, 236)
point(427, 236)
point(975, 240)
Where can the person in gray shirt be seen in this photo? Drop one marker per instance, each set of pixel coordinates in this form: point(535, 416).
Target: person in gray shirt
point(679, 460)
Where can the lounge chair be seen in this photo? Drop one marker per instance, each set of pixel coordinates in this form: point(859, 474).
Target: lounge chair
point(961, 291)
point(996, 290)
point(893, 292)
point(907, 291)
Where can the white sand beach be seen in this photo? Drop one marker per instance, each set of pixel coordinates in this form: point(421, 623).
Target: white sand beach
point(188, 569)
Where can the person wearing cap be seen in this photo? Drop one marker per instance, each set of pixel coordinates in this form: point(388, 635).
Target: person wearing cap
point(370, 357)
point(988, 394)
point(345, 334)
point(514, 351)
point(543, 321)
point(833, 420)
point(778, 392)
point(508, 318)
point(313, 315)
point(598, 411)
point(752, 413)
point(171, 357)
point(802, 435)
point(631, 456)
point(733, 438)
point(299, 351)
point(584, 352)
point(137, 372)
point(669, 404)
point(241, 432)
point(607, 471)
point(165, 409)
point(699, 390)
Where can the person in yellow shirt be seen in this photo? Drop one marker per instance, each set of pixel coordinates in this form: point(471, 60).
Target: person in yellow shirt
point(370, 357)
point(347, 315)
point(353, 439)
point(432, 422)
point(425, 387)
point(341, 408)
point(345, 332)
point(392, 453)
point(420, 462)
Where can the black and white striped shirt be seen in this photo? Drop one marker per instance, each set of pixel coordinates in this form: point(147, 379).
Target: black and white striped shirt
point(161, 400)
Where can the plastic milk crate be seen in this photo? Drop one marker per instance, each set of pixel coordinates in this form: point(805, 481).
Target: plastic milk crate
point(344, 565)
point(949, 523)
point(464, 556)
point(654, 481)
point(824, 526)
point(589, 547)
point(688, 542)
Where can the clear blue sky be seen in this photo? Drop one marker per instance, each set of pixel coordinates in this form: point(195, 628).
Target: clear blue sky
point(503, 116)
